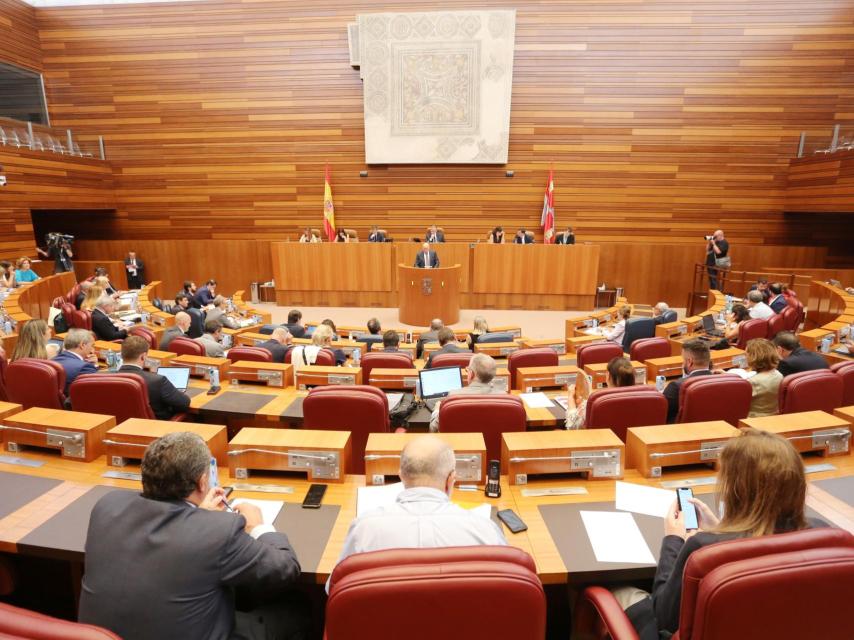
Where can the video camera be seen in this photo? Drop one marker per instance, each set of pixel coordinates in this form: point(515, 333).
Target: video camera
point(54, 239)
point(707, 238)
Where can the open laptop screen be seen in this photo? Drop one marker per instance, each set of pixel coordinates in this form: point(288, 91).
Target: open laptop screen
point(708, 322)
point(436, 383)
point(178, 376)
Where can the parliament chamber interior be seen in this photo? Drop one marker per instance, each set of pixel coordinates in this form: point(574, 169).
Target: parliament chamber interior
point(219, 422)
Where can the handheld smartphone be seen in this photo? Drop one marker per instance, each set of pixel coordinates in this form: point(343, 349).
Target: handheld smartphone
point(214, 473)
point(511, 520)
point(314, 496)
point(493, 479)
point(689, 511)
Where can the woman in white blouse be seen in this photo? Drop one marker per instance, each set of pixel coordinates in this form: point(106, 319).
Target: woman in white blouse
point(616, 333)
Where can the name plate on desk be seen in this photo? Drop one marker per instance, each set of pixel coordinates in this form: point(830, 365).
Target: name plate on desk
point(313, 376)
point(597, 453)
point(382, 455)
point(650, 450)
point(808, 431)
point(321, 455)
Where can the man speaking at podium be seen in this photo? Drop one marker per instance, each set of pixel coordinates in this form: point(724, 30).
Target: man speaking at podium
point(426, 259)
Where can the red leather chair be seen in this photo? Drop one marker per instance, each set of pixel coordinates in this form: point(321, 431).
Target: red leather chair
point(715, 397)
point(545, 357)
point(790, 317)
point(649, 348)
point(751, 329)
point(360, 409)
point(146, 334)
point(186, 347)
point(452, 360)
point(249, 354)
point(325, 358)
point(4, 397)
point(623, 407)
point(16, 623)
point(36, 383)
point(819, 390)
point(384, 360)
point(776, 324)
point(81, 320)
point(795, 584)
point(597, 353)
point(71, 296)
point(67, 309)
point(491, 414)
point(844, 370)
point(123, 395)
point(426, 594)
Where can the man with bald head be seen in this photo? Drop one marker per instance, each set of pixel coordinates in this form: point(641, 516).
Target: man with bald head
point(426, 258)
point(480, 372)
point(717, 255)
point(422, 515)
point(182, 325)
point(279, 344)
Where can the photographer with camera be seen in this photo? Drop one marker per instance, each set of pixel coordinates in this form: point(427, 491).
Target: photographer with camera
point(59, 250)
point(717, 255)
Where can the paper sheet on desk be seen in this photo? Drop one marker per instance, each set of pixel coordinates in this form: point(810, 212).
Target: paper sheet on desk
point(269, 508)
point(615, 537)
point(370, 498)
point(393, 400)
point(538, 400)
point(639, 498)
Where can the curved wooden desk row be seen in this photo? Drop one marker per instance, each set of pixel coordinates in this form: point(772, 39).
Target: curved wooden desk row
point(832, 311)
point(44, 509)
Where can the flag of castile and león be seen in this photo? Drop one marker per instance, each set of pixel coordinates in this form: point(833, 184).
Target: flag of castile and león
point(328, 209)
point(547, 220)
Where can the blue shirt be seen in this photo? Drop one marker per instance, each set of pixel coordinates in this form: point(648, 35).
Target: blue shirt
point(26, 276)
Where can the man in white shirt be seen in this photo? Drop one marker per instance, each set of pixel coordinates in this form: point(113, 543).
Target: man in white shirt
point(423, 515)
point(757, 307)
point(481, 372)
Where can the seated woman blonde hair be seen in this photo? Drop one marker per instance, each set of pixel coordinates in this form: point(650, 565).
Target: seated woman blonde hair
point(32, 341)
point(616, 333)
point(93, 293)
point(305, 355)
point(761, 491)
point(762, 357)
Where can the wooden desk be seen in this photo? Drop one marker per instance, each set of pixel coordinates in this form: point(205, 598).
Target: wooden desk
point(557, 344)
point(425, 294)
point(128, 440)
point(77, 435)
point(382, 455)
point(313, 376)
point(528, 378)
point(599, 373)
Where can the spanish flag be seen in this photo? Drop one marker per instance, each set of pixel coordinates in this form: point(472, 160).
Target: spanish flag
point(328, 209)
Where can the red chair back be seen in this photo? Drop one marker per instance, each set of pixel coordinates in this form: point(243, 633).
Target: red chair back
point(81, 320)
point(597, 353)
point(649, 348)
point(384, 360)
point(36, 383)
point(750, 329)
point(544, 357)
point(623, 407)
point(714, 397)
point(249, 354)
point(845, 370)
point(123, 395)
point(454, 581)
point(791, 318)
point(776, 324)
point(818, 390)
point(794, 582)
point(359, 409)
point(16, 623)
point(3, 395)
point(452, 360)
point(186, 347)
point(146, 334)
point(490, 414)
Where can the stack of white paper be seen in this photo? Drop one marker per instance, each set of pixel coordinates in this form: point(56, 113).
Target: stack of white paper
point(393, 400)
point(639, 498)
point(538, 400)
point(615, 537)
point(269, 508)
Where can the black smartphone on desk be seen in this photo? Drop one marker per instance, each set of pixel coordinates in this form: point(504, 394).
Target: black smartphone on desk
point(511, 520)
point(314, 496)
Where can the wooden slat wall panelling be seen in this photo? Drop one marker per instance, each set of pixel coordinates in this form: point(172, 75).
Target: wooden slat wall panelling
point(19, 35)
point(662, 120)
point(822, 183)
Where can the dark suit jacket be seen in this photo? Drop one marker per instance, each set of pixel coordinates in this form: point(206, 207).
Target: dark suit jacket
point(433, 259)
point(165, 569)
point(203, 297)
point(277, 350)
point(168, 336)
point(448, 348)
point(562, 239)
point(671, 392)
point(74, 367)
point(296, 330)
point(523, 240)
point(438, 237)
point(801, 360)
point(165, 399)
point(376, 237)
point(778, 304)
point(103, 327)
point(427, 336)
point(140, 267)
point(194, 304)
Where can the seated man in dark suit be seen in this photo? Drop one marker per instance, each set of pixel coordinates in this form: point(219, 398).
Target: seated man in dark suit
point(522, 237)
point(567, 237)
point(778, 301)
point(391, 341)
point(165, 399)
point(171, 561)
point(206, 294)
point(102, 324)
point(81, 296)
point(696, 360)
point(659, 312)
point(182, 325)
point(78, 355)
point(434, 235)
point(189, 290)
point(793, 357)
point(293, 326)
point(182, 303)
point(373, 336)
point(448, 344)
point(376, 235)
point(436, 325)
point(426, 258)
point(279, 344)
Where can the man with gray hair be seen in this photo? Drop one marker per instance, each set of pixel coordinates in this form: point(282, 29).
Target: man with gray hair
point(436, 325)
point(422, 515)
point(659, 312)
point(78, 355)
point(279, 344)
point(480, 373)
point(169, 562)
point(102, 325)
point(180, 328)
point(757, 307)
